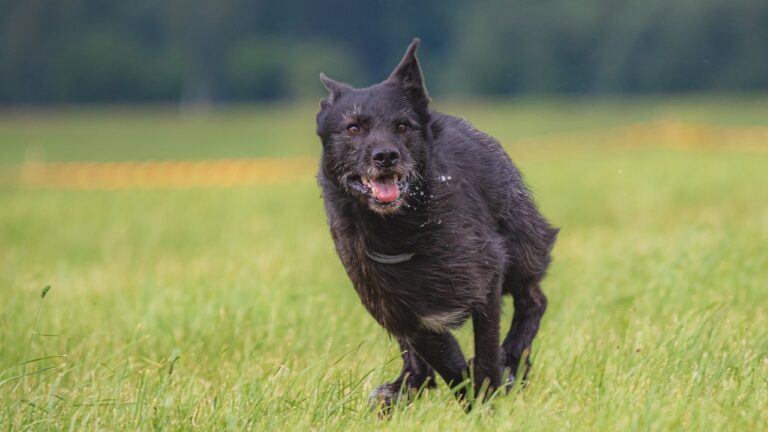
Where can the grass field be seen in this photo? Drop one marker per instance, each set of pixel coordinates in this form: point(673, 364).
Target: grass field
point(218, 308)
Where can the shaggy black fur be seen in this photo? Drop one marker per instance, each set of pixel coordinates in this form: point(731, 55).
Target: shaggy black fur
point(453, 199)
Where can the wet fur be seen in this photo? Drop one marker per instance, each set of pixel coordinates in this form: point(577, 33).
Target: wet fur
point(466, 215)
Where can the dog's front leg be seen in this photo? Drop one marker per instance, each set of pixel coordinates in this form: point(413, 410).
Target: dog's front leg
point(487, 361)
point(443, 353)
point(415, 376)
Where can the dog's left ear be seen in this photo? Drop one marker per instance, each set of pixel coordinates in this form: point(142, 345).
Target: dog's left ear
point(407, 75)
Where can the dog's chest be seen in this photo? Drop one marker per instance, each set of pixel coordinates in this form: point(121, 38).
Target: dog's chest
point(431, 282)
point(406, 296)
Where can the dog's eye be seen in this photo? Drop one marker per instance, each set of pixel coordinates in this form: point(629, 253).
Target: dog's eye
point(402, 127)
point(353, 129)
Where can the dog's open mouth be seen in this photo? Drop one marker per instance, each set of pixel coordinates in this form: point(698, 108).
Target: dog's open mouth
point(383, 191)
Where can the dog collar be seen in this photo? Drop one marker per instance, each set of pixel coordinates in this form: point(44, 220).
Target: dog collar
point(389, 259)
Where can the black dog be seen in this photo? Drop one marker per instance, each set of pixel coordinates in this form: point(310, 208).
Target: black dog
point(433, 224)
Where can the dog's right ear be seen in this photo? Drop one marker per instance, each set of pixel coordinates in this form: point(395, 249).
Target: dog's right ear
point(335, 89)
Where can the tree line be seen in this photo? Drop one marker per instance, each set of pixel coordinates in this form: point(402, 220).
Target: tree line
point(54, 51)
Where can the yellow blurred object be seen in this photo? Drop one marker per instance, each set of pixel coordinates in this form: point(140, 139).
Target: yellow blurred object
point(165, 174)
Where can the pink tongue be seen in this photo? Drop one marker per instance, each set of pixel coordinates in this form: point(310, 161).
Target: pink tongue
point(385, 190)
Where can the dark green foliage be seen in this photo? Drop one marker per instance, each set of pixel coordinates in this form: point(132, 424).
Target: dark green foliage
point(166, 50)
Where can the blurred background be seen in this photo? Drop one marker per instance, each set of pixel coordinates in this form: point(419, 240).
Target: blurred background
point(204, 52)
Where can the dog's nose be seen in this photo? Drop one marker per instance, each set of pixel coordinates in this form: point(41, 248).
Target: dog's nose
point(385, 157)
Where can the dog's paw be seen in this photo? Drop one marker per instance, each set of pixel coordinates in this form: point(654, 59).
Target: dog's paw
point(383, 396)
point(509, 383)
point(506, 375)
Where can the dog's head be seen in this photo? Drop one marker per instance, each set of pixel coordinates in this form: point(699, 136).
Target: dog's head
point(373, 138)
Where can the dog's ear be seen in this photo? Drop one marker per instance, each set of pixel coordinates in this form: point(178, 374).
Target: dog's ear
point(335, 89)
point(407, 75)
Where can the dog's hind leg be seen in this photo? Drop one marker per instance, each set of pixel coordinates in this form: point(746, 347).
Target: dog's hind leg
point(416, 375)
point(530, 305)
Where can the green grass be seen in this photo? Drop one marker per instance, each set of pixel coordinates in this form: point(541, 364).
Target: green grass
point(217, 309)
